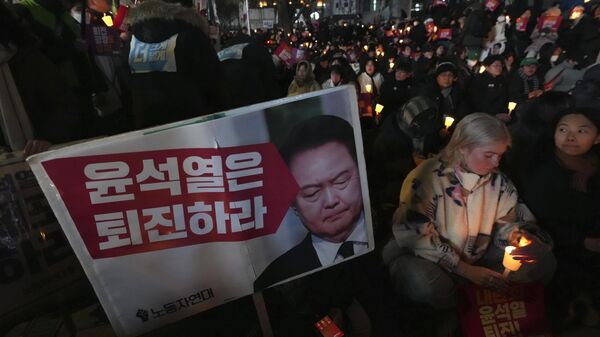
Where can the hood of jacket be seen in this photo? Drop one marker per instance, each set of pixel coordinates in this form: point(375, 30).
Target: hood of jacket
point(309, 78)
point(156, 9)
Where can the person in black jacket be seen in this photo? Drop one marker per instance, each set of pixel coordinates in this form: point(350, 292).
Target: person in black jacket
point(248, 72)
point(563, 192)
point(50, 104)
point(488, 91)
point(175, 70)
point(443, 89)
point(60, 41)
point(398, 89)
point(408, 136)
point(582, 36)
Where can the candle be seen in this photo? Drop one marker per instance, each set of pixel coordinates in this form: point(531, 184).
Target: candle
point(378, 108)
point(448, 121)
point(368, 88)
point(509, 263)
point(108, 21)
point(511, 107)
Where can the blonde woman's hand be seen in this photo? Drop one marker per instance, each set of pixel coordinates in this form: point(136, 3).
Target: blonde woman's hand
point(485, 277)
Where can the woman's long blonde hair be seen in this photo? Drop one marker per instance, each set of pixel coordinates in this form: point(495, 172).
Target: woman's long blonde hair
point(477, 129)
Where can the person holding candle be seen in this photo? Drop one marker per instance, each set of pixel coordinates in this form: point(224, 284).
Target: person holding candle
point(370, 80)
point(397, 89)
point(444, 89)
point(563, 191)
point(407, 137)
point(488, 91)
point(456, 213)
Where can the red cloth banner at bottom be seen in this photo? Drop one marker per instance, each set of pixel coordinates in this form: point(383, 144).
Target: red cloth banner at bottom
point(485, 313)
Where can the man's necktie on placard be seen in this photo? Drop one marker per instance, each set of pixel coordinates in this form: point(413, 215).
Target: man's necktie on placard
point(346, 249)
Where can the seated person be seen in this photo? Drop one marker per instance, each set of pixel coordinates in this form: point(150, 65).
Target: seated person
point(336, 78)
point(456, 212)
point(563, 191)
point(407, 137)
point(304, 81)
point(398, 89)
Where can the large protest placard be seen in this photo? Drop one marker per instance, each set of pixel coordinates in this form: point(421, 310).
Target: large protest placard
point(36, 261)
point(173, 220)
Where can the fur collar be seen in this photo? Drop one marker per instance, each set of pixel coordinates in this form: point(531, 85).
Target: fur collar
point(156, 9)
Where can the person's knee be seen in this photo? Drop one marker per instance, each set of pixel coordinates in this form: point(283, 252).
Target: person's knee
point(424, 282)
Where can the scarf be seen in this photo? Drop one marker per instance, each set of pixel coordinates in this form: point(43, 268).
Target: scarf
point(584, 167)
point(526, 79)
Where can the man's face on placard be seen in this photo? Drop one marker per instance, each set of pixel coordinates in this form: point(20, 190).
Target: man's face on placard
point(330, 200)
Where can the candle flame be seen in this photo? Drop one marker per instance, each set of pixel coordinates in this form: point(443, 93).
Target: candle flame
point(524, 242)
point(448, 121)
point(43, 236)
point(378, 108)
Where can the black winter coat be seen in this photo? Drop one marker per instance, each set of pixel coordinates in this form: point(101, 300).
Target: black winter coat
point(488, 94)
point(163, 94)
point(455, 105)
point(394, 94)
point(516, 87)
point(568, 215)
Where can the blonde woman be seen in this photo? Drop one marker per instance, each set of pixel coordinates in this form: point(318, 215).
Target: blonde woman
point(454, 208)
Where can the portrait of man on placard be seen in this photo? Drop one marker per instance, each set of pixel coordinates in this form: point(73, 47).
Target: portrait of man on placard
point(321, 155)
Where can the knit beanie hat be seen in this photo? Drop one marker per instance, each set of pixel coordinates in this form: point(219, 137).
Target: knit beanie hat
point(445, 66)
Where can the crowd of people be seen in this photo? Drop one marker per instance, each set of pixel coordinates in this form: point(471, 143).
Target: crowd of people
point(480, 120)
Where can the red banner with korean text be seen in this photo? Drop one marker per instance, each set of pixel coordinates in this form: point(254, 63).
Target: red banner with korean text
point(284, 53)
point(485, 313)
point(521, 24)
point(445, 33)
point(492, 5)
point(130, 203)
point(549, 22)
